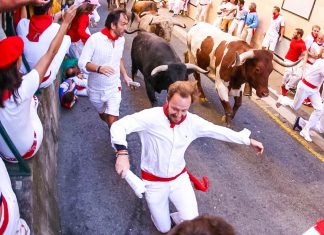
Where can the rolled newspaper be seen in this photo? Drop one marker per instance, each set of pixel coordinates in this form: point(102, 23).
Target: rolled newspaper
point(136, 183)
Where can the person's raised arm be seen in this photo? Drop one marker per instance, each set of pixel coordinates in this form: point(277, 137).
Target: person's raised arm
point(10, 5)
point(45, 61)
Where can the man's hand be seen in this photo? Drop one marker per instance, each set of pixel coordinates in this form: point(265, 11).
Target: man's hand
point(122, 165)
point(257, 146)
point(107, 70)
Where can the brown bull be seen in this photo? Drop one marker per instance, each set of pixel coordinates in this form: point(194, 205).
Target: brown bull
point(160, 25)
point(143, 6)
point(231, 63)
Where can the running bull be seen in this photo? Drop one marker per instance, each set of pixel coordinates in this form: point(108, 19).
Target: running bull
point(231, 62)
point(159, 64)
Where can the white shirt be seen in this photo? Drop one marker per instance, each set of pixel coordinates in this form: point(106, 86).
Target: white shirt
point(163, 147)
point(33, 51)
point(99, 50)
point(241, 13)
point(275, 26)
point(309, 39)
point(228, 7)
point(15, 226)
point(315, 75)
point(17, 118)
point(314, 49)
point(204, 2)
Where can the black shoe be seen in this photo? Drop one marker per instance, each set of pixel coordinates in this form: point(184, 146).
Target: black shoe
point(296, 126)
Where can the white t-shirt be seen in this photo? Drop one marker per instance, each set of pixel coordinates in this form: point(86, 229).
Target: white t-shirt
point(100, 51)
point(228, 7)
point(275, 26)
point(309, 39)
point(33, 51)
point(17, 118)
point(241, 13)
point(314, 49)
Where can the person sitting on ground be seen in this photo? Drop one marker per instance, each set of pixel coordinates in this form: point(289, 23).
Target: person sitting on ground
point(18, 105)
point(251, 23)
point(10, 221)
point(79, 31)
point(37, 34)
point(203, 225)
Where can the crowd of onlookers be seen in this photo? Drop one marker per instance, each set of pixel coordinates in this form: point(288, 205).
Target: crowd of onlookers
point(55, 36)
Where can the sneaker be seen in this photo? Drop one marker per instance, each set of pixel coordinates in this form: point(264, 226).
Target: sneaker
point(174, 15)
point(296, 126)
point(284, 91)
point(307, 102)
point(306, 135)
point(278, 102)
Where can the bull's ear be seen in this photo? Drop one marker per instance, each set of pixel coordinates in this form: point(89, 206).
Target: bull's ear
point(237, 60)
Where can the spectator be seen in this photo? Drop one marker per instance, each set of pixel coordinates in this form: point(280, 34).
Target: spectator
point(311, 38)
point(310, 41)
point(301, 123)
point(102, 58)
point(220, 14)
point(79, 31)
point(228, 16)
point(95, 17)
point(37, 34)
point(275, 32)
point(201, 13)
point(251, 23)
point(162, 129)
point(184, 11)
point(10, 221)
point(308, 87)
point(204, 224)
point(240, 13)
point(297, 49)
point(175, 6)
point(15, 4)
point(18, 106)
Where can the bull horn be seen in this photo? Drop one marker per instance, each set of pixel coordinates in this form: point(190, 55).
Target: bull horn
point(134, 31)
point(196, 68)
point(160, 68)
point(180, 25)
point(241, 58)
point(285, 64)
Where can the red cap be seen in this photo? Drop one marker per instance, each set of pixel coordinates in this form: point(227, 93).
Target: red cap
point(11, 48)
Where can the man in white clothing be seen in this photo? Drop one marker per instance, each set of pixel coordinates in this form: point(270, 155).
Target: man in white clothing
point(165, 134)
point(276, 30)
point(308, 87)
point(239, 19)
point(102, 58)
point(37, 34)
point(201, 14)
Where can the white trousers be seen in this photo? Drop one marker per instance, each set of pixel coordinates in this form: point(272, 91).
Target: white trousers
point(218, 21)
point(239, 24)
point(247, 35)
point(270, 42)
point(201, 13)
point(179, 192)
point(292, 75)
point(319, 127)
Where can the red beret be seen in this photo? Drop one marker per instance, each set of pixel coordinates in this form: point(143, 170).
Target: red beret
point(10, 48)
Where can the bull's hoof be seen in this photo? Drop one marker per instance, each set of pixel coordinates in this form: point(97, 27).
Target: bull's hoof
point(203, 99)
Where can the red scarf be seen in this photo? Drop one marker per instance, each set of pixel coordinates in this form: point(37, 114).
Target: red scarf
point(6, 95)
point(240, 8)
point(251, 11)
point(5, 216)
point(275, 17)
point(107, 32)
point(37, 25)
point(172, 124)
point(314, 37)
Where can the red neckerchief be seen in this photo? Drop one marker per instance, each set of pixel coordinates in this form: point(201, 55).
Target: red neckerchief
point(240, 8)
point(37, 25)
point(252, 11)
point(106, 32)
point(172, 124)
point(314, 38)
point(275, 17)
point(5, 216)
point(320, 226)
point(6, 95)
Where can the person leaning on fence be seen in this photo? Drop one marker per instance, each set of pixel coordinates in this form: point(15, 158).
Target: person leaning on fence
point(275, 31)
point(240, 13)
point(10, 221)
point(37, 34)
point(18, 105)
point(162, 129)
point(251, 22)
point(204, 224)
